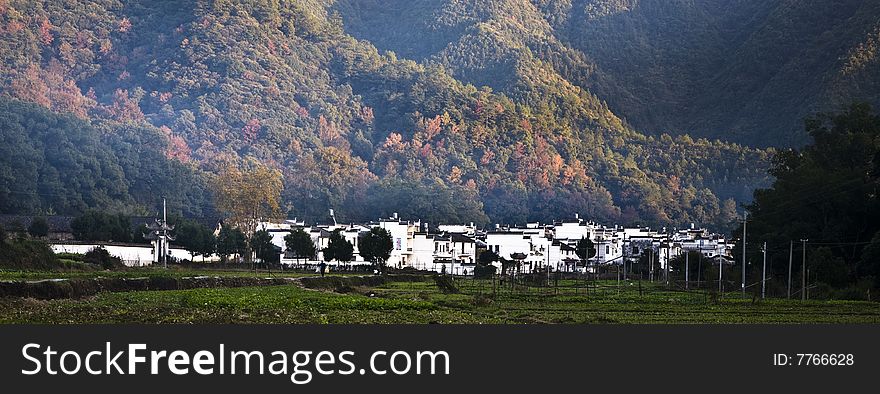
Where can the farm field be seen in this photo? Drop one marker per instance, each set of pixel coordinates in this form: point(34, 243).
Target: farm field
point(478, 301)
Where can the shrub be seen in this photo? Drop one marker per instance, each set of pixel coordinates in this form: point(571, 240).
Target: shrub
point(445, 284)
point(102, 258)
point(27, 254)
point(39, 227)
point(484, 271)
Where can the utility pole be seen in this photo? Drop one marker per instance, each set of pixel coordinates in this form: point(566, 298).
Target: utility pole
point(720, 270)
point(745, 219)
point(668, 246)
point(687, 269)
point(790, 256)
point(764, 273)
point(804, 272)
point(164, 236)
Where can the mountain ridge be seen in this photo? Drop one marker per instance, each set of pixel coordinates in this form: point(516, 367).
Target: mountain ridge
point(358, 129)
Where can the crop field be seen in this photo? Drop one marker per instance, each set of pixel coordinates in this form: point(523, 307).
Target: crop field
point(477, 301)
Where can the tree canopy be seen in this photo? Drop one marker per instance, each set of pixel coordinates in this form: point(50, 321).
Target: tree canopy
point(376, 246)
point(300, 244)
point(825, 193)
point(338, 248)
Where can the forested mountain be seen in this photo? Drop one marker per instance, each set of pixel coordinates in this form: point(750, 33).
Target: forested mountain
point(738, 70)
point(300, 86)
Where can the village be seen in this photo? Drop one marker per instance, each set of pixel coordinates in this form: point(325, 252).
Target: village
point(443, 248)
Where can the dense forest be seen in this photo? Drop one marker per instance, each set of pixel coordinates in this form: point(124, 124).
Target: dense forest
point(742, 71)
point(489, 116)
point(825, 197)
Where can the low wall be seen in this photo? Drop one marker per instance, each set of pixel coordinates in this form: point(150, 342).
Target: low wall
point(131, 255)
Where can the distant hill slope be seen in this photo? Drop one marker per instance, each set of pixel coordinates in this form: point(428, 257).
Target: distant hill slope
point(367, 132)
point(743, 71)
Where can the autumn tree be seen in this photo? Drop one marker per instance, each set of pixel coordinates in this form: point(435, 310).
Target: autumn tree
point(247, 194)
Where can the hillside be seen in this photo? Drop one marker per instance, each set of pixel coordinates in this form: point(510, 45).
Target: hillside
point(361, 130)
point(741, 71)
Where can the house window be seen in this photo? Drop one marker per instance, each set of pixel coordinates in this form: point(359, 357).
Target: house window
point(607, 249)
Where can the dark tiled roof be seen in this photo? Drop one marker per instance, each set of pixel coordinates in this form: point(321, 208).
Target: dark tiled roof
point(461, 238)
point(57, 224)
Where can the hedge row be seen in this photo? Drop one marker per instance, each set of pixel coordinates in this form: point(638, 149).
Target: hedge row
point(78, 288)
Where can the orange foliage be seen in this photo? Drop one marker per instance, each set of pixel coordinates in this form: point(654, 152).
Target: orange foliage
point(46, 36)
point(30, 86)
point(124, 25)
point(125, 108)
point(455, 175)
point(394, 142)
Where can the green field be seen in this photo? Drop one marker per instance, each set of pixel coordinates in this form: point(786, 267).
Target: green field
point(423, 302)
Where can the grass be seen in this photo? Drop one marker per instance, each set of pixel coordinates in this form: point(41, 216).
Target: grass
point(422, 302)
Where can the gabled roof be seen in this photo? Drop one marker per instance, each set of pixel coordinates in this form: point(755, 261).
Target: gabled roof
point(461, 238)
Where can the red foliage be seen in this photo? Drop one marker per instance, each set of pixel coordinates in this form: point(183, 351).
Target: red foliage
point(478, 108)
point(30, 86)
point(124, 25)
point(46, 36)
point(124, 108)
point(487, 157)
point(178, 149)
point(14, 27)
point(393, 142)
point(327, 131)
point(432, 127)
point(251, 129)
point(68, 98)
point(367, 115)
point(426, 151)
point(106, 47)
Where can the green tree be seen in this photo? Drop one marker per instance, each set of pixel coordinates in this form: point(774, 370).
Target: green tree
point(585, 249)
point(338, 248)
point(231, 241)
point(39, 227)
point(102, 227)
point(376, 246)
point(300, 244)
point(488, 257)
point(827, 192)
point(484, 267)
point(195, 237)
point(262, 246)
